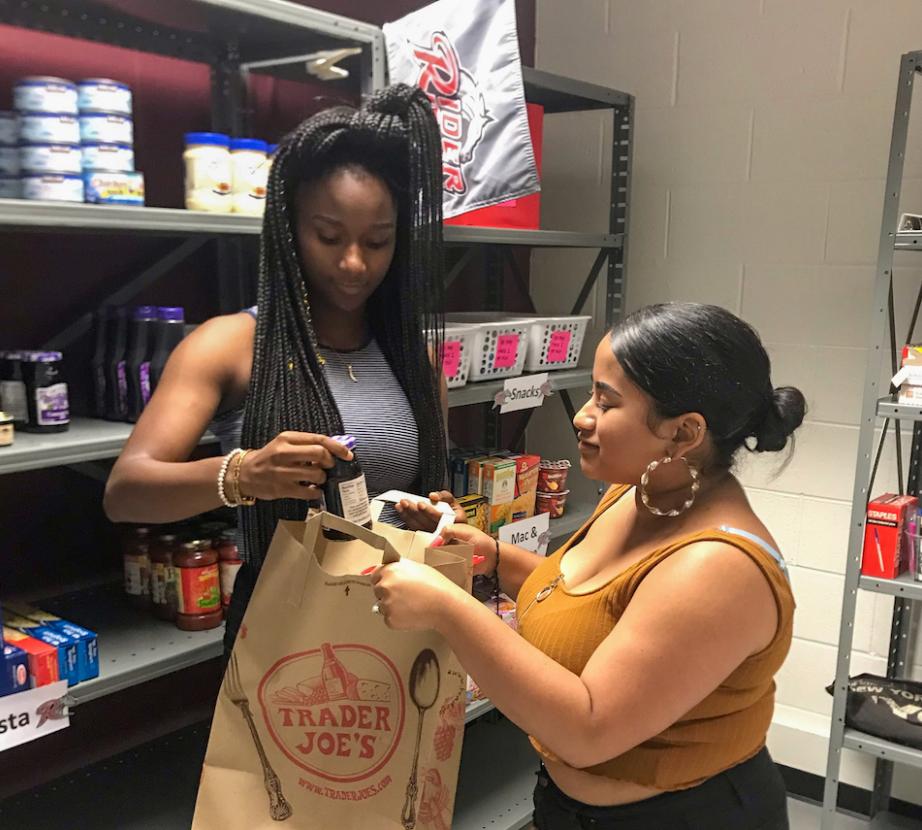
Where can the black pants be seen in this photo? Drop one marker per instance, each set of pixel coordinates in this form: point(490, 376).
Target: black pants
point(750, 796)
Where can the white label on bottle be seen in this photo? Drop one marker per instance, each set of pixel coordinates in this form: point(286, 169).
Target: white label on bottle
point(51, 405)
point(134, 577)
point(354, 496)
point(228, 575)
point(13, 396)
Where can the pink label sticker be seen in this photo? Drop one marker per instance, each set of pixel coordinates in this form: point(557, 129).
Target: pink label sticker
point(559, 347)
point(507, 351)
point(451, 357)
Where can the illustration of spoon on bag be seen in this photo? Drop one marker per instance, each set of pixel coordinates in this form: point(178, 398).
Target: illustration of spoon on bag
point(424, 692)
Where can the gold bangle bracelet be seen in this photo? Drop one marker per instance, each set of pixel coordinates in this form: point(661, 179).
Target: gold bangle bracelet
point(242, 500)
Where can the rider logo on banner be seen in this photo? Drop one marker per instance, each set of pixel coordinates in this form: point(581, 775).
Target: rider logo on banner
point(464, 55)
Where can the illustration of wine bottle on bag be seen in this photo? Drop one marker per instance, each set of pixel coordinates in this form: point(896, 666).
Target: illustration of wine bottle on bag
point(345, 493)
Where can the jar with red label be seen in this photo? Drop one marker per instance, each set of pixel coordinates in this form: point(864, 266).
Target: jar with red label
point(229, 563)
point(164, 592)
point(136, 558)
point(198, 584)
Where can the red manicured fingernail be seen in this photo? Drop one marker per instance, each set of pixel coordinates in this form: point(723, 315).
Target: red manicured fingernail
point(368, 570)
point(437, 542)
point(479, 560)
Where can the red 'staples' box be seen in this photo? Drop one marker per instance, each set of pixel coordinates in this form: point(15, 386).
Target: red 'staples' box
point(884, 546)
point(524, 212)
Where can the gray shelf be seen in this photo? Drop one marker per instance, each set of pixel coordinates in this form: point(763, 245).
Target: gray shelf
point(197, 29)
point(88, 439)
point(134, 647)
point(461, 235)
point(885, 750)
point(891, 821)
point(497, 780)
point(908, 242)
point(560, 94)
point(485, 391)
point(21, 214)
point(903, 586)
point(477, 709)
point(889, 408)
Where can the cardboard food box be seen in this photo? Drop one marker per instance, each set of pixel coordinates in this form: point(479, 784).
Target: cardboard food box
point(909, 378)
point(518, 509)
point(526, 474)
point(14, 670)
point(499, 477)
point(66, 646)
point(475, 467)
point(43, 658)
point(476, 510)
point(885, 553)
point(87, 641)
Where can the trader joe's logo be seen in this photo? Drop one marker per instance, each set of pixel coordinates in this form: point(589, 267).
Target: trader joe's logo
point(337, 711)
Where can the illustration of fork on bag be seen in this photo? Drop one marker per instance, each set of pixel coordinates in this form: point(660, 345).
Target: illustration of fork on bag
point(279, 808)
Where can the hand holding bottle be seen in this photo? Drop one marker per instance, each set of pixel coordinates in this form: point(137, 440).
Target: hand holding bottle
point(292, 465)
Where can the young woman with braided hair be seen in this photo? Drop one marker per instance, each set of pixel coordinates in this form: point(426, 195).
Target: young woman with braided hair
point(350, 282)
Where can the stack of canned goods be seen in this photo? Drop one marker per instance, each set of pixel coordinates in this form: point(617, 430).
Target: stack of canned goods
point(70, 142)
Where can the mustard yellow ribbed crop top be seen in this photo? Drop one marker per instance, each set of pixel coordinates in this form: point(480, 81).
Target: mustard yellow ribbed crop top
point(727, 727)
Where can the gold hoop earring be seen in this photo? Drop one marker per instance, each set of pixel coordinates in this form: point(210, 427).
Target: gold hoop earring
point(645, 481)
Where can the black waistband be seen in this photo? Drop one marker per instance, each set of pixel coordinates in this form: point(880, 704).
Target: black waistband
point(746, 782)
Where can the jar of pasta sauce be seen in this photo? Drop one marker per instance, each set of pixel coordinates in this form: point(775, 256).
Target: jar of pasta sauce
point(164, 594)
point(136, 558)
point(198, 586)
point(229, 562)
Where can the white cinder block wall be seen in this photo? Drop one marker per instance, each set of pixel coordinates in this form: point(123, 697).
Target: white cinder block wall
point(760, 155)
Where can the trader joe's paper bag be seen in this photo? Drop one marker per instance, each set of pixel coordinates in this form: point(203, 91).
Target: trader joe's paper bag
point(327, 718)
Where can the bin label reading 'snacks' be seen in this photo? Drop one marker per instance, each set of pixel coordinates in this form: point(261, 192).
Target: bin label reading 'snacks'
point(337, 712)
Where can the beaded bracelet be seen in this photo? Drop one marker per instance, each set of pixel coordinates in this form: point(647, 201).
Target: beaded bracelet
point(222, 475)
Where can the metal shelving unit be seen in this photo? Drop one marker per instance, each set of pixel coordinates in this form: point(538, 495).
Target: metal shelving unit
point(904, 589)
point(236, 38)
point(486, 391)
point(88, 439)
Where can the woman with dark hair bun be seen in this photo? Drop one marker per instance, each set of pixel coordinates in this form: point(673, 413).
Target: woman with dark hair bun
point(647, 646)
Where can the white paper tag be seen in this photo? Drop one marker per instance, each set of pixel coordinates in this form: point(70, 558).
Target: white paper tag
point(530, 534)
point(526, 392)
point(26, 716)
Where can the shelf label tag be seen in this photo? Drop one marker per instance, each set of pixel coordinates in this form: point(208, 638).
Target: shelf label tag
point(451, 357)
point(526, 392)
point(558, 349)
point(25, 716)
point(531, 534)
point(507, 351)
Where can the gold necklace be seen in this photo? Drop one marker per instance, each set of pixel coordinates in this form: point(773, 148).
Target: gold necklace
point(342, 361)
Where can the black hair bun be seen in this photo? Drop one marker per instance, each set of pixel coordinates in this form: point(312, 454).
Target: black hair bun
point(784, 415)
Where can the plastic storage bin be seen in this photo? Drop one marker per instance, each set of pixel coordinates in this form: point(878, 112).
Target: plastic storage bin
point(555, 343)
point(500, 343)
point(457, 352)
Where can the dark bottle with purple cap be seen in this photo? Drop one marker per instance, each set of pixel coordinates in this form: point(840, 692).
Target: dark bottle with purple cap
point(116, 386)
point(137, 363)
point(170, 327)
point(345, 493)
point(46, 392)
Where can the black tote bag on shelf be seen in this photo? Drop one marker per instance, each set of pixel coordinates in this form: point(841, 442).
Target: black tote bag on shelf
point(886, 708)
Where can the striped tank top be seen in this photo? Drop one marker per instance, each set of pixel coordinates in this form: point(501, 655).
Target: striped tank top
point(373, 407)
